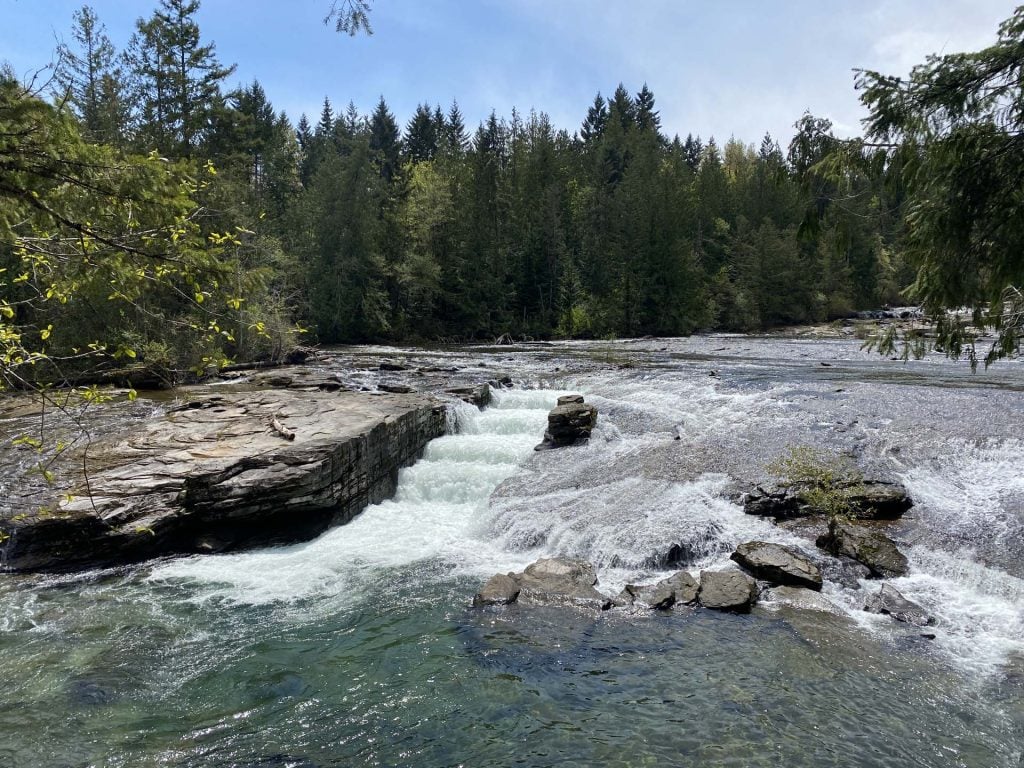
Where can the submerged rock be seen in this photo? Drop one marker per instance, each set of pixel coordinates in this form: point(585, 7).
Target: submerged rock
point(804, 599)
point(548, 581)
point(727, 591)
point(678, 589)
point(866, 545)
point(569, 423)
point(889, 600)
point(777, 564)
point(216, 474)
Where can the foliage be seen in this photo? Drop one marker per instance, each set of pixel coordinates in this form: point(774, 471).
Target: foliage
point(82, 227)
point(949, 139)
point(350, 16)
point(824, 481)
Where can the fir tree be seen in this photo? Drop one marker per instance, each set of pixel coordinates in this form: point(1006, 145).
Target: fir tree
point(91, 79)
point(594, 124)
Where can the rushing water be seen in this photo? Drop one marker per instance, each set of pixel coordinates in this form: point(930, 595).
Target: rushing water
point(361, 648)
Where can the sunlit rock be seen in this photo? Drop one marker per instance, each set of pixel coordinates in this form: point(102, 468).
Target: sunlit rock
point(865, 545)
point(777, 564)
point(570, 423)
point(727, 591)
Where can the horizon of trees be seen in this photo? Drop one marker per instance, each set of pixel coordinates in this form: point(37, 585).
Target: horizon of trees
point(360, 228)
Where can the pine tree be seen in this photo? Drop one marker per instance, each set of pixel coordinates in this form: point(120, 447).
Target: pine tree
point(91, 79)
point(455, 138)
point(621, 108)
point(385, 145)
point(303, 132)
point(594, 124)
point(693, 149)
point(421, 138)
point(179, 79)
point(647, 118)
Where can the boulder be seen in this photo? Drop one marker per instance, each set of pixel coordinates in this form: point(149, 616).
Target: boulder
point(500, 589)
point(392, 365)
point(727, 591)
point(866, 500)
point(679, 588)
point(560, 580)
point(395, 389)
point(569, 423)
point(778, 503)
point(777, 564)
point(878, 500)
point(866, 545)
point(890, 601)
point(569, 399)
point(548, 581)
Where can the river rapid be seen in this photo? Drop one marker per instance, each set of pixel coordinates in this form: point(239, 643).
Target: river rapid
point(361, 648)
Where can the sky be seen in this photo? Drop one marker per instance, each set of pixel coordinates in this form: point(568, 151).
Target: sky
point(731, 68)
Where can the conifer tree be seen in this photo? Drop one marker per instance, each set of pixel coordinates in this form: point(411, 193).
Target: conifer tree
point(385, 144)
point(421, 137)
point(91, 79)
point(594, 124)
point(178, 77)
point(647, 118)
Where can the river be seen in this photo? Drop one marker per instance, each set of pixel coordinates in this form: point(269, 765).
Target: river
point(361, 648)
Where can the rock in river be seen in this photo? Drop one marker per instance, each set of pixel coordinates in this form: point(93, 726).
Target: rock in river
point(231, 470)
point(891, 601)
point(727, 591)
point(548, 581)
point(865, 500)
point(777, 564)
point(570, 422)
point(865, 545)
point(679, 588)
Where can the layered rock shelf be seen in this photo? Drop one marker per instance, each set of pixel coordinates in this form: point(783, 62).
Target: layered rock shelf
point(226, 471)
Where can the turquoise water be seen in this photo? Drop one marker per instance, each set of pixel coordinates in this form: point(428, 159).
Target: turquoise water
point(361, 648)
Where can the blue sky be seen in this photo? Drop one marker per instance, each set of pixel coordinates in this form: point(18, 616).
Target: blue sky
point(728, 68)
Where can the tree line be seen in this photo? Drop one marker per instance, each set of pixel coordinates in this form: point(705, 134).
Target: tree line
point(356, 227)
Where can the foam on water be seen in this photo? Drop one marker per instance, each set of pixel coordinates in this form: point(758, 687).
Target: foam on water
point(620, 502)
point(437, 519)
point(974, 491)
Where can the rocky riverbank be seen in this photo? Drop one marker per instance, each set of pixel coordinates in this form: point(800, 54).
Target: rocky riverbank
point(224, 471)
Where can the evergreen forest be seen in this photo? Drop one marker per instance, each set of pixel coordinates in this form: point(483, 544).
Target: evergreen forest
point(153, 213)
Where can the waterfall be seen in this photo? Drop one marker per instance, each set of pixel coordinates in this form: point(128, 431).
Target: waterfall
point(437, 521)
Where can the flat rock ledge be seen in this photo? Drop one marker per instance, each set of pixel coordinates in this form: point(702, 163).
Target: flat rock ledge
point(227, 471)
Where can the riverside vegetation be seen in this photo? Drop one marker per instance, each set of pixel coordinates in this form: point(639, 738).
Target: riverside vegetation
point(151, 215)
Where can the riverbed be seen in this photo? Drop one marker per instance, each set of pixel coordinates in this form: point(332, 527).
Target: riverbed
point(361, 647)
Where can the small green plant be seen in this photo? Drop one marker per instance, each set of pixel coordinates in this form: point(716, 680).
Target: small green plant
point(821, 480)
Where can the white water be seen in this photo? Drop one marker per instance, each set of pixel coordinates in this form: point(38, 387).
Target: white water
point(437, 521)
point(620, 500)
